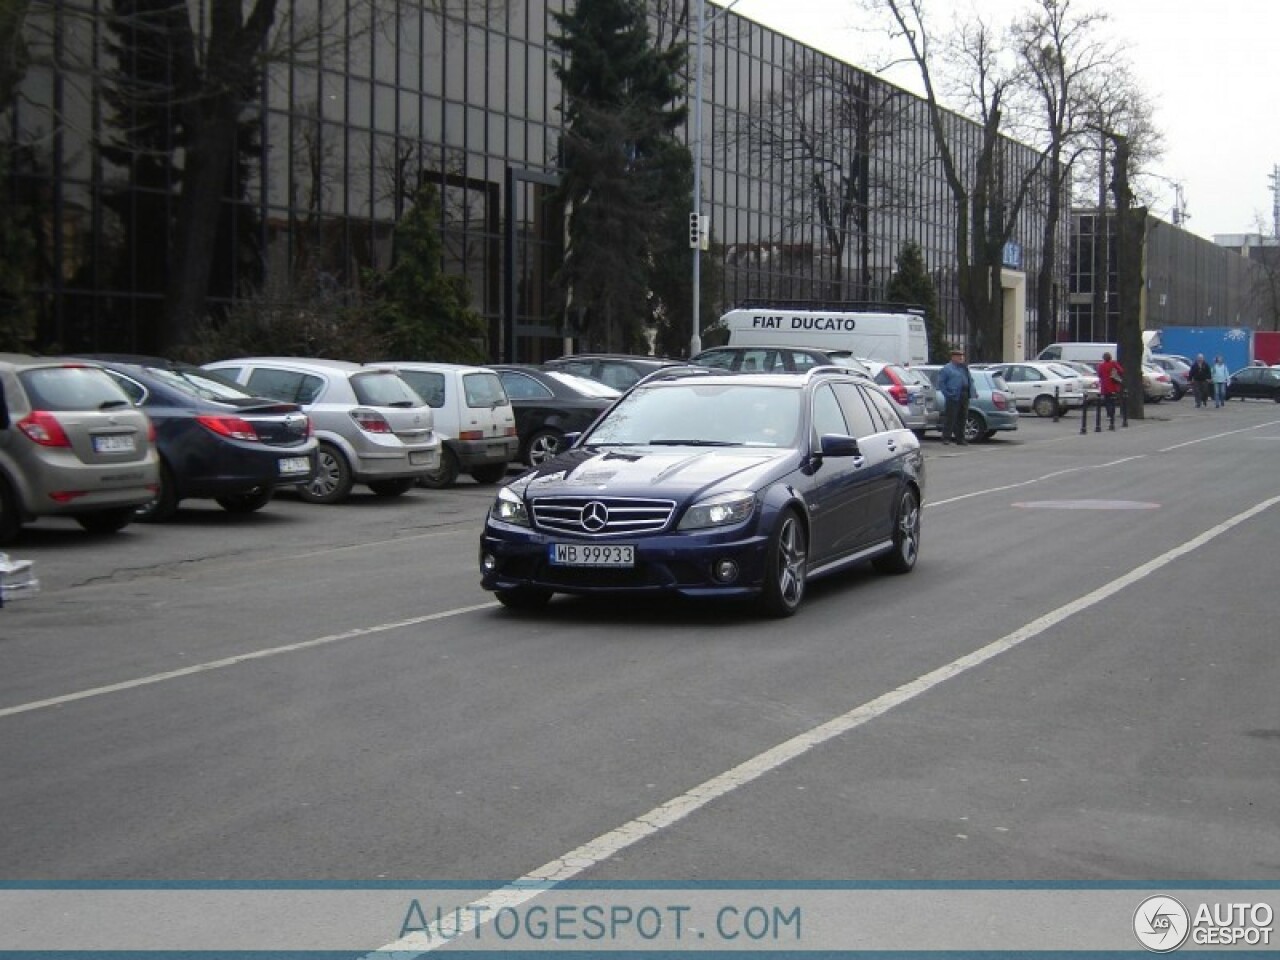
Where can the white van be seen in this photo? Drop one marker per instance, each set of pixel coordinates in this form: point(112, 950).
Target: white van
point(1091, 352)
point(874, 335)
point(473, 418)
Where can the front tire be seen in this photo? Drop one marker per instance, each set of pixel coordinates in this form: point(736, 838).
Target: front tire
point(974, 426)
point(444, 475)
point(543, 445)
point(165, 503)
point(786, 559)
point(332, 481)
point(1045, 406)
point(906, 537)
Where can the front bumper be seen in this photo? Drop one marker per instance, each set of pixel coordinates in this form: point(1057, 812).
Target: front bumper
point(513, 557)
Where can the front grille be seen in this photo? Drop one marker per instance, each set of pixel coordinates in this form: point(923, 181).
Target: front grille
point(601, 516)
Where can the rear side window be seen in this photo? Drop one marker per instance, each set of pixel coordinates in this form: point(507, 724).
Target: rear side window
point(285, 385)
point(428, 384)
point(520, 387)
point(71, 388)
point(720, 359)
point(618, 375)
point(384, 388)
point(886, 408)
point(484, 390)
point(855, 410)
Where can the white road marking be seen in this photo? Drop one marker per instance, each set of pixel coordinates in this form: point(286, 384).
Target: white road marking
point(1219, 436)
point(1027, 483)
point(232, 661)
point(605, 846)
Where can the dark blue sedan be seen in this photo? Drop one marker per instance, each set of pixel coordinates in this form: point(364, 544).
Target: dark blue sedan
point(214, 440)
point(715, 485)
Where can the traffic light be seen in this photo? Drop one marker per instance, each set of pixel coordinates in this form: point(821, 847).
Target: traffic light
point(695, 231)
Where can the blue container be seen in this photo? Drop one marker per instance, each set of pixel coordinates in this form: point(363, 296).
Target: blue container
point(1234, 343)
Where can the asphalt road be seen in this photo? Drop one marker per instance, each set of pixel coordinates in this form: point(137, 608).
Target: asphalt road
point(1078, 682)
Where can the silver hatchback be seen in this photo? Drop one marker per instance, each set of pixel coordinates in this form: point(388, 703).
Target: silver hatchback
point(371, 426)
point(71, 445)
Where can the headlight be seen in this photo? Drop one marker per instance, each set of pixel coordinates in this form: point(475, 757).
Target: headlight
point(509, 508)
point(720, 511)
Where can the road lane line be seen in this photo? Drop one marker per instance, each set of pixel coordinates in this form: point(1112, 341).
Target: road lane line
point(606, 846)
point(233, 661)
point(1027, 483)
point(1218, 436)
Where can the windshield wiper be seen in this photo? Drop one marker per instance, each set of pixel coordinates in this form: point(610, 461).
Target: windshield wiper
point(694, 443)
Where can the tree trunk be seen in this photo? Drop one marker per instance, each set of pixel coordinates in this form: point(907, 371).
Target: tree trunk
point(1130, 230)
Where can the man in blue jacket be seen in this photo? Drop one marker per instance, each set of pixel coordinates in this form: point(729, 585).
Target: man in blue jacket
point(955, 383)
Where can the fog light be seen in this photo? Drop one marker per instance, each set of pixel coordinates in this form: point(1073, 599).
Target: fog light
point(487, 563)
point(725, 571)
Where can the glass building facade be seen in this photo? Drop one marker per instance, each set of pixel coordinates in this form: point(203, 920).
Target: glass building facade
point(814, 172)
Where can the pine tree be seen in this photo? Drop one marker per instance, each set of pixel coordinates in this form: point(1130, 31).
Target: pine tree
point(911, 284)
point(617, 154)
point(421, 311)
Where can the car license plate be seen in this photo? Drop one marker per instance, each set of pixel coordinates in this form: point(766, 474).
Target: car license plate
point(593, 554)
point(114, 443)
point(422, 458)
point(290, 465)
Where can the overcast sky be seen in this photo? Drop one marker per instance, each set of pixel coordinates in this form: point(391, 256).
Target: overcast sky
point(1211, 67)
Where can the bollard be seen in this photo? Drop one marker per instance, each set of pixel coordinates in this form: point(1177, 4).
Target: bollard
point(1057, 405)
point(1097, 422)
point(1084, 415)
point(1124, 407)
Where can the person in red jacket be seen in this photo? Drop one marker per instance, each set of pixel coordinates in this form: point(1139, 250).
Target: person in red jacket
point(1110, 383)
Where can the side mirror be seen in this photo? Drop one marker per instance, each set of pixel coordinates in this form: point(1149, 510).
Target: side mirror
point(839, 445)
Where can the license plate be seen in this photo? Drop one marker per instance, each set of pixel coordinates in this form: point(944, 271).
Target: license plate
point(290, 465)
point(422, 458)
point(114, 443)
point(593, 554)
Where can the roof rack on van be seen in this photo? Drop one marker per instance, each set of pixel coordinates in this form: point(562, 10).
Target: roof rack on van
point(844, 306)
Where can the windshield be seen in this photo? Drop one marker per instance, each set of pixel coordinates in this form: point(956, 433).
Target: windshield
point(592, 388)
point(702, 414)
point(200, 383)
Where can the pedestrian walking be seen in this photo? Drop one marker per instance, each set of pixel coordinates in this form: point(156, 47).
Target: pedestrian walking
point(955, 384)
point(1110, 385)
point(1200, 376)
point(1220, 375)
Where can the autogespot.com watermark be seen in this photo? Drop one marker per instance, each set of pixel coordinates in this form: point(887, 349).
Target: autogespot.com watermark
point(1162, 924)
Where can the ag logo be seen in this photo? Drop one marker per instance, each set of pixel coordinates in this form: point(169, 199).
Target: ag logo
point(1161, 924)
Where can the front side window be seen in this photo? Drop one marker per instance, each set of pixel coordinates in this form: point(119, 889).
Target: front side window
point(827, 415)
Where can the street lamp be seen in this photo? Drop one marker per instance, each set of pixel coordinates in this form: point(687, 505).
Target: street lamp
point(697, 229)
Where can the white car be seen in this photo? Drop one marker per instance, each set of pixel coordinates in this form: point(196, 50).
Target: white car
point(473, 418)
point(1045, 389)
point(1157, 385)
point(1088, 377)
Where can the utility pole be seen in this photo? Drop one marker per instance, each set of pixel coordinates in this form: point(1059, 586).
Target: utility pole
point(1275, 201)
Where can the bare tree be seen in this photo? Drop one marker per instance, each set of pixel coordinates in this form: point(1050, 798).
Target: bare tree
point(13, 15)
point(824, 125)
point(986, 192)
point(1063, 56)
